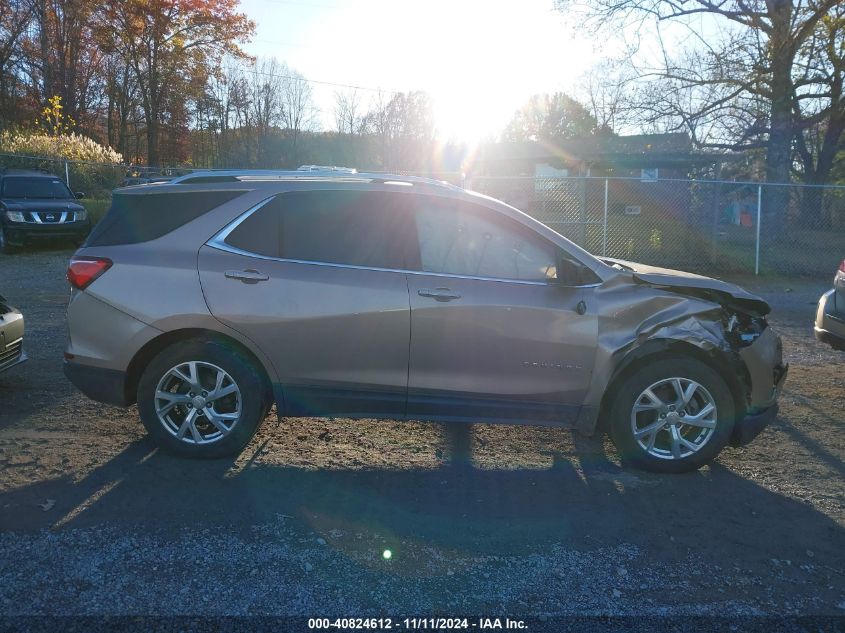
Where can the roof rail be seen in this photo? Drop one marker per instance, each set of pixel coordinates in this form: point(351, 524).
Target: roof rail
point(231, 175)
point(348, 170)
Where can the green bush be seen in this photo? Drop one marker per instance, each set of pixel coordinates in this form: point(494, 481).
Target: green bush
point(66, 146)
point(91, 167)
point(96, 208)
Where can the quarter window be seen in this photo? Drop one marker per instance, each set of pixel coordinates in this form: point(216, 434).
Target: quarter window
point(139, 217)
point(464, 239)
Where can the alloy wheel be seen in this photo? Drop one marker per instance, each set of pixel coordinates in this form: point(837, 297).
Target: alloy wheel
point(198, 402)
point(673, 418)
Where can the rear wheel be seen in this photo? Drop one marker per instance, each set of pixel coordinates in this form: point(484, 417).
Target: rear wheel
point(673, 415)
point(202, 399)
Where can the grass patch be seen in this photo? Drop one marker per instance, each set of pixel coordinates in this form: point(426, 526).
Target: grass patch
point(96, 208)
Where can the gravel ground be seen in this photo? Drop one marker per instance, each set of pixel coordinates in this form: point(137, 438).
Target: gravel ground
point(482, 519)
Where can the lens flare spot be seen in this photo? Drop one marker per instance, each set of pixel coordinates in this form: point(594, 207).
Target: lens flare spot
point(387, 554)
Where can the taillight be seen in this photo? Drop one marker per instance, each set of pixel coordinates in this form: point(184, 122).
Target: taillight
point(82, 271)
point(842, 266)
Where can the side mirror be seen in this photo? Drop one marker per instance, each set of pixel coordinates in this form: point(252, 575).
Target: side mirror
point(572, 273)
point(79, 195)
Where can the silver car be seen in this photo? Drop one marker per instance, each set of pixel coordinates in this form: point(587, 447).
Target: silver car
point(830, 315)
point(209, 299)
point(11, 336)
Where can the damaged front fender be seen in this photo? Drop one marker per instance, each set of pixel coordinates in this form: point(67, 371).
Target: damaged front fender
point(637, 318)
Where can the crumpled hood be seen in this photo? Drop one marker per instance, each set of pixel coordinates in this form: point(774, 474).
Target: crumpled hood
point(721, 292)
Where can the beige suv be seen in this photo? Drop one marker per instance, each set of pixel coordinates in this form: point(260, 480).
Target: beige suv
point(209, 299)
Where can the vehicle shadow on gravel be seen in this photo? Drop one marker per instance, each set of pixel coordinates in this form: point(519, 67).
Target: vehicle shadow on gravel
point(583, 501)
point(812, 445)
point(32, 387)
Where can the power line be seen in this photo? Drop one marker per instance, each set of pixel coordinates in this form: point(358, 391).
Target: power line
point(311, 5)
point(325, 83)
point(293, 45)
point(308, 5)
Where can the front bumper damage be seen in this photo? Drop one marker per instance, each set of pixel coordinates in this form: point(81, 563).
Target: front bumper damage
point(752, 425)
point(639, 319)
point(764, 361)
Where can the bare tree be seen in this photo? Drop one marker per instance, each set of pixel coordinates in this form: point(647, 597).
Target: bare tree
point(404, 126)
point(299, 114)
point(347, 112)
point(819, 100)
point(606, 91)
point(759, 75)
point(121, 99)
point(266, 106)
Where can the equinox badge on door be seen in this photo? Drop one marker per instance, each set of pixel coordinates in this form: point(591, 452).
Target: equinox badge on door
point(544, 365)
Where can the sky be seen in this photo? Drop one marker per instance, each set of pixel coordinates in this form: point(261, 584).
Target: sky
point(479, 60)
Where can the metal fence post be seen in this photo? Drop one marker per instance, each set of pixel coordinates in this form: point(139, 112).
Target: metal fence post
point(67, 175)
point(604, 226)
point(582, 213)
point(759, 216)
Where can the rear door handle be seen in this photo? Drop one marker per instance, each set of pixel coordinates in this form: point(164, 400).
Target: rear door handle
point(248, 276)
point(441, 294)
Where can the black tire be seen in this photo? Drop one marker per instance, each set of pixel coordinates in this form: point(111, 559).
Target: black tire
point(644, 376)
point(5, 247)
point(254, 397)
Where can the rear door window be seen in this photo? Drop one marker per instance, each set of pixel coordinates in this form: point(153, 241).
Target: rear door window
point(353, 228)
point(134, 218)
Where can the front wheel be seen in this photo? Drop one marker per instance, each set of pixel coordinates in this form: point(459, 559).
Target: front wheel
point(200, 398)
point(5, 247)
point(673, 415)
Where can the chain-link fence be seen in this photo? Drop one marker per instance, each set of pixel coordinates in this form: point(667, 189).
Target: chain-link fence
point(95, 180)
point(698, 225)
point(705, 226)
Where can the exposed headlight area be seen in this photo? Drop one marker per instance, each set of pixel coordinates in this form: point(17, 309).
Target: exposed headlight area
point(743, 329)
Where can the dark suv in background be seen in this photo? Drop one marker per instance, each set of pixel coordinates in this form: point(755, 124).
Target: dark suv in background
point(37, 205)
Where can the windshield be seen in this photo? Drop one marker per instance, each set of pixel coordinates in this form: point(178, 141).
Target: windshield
point(35, 188)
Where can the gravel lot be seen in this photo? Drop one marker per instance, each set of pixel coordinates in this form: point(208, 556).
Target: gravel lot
point(482, 519)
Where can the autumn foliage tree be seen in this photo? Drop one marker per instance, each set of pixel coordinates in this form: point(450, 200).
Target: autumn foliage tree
point(15, 18)
point(66, 58)
point(168, 46)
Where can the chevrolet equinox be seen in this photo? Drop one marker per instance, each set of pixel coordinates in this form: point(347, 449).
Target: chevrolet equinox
point(211, 298)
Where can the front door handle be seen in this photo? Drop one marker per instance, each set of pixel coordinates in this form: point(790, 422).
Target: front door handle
point(441, 294)
point(248, 276)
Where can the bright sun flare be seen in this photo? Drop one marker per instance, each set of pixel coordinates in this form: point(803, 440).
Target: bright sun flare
point(479, 60)
point(467, 118)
